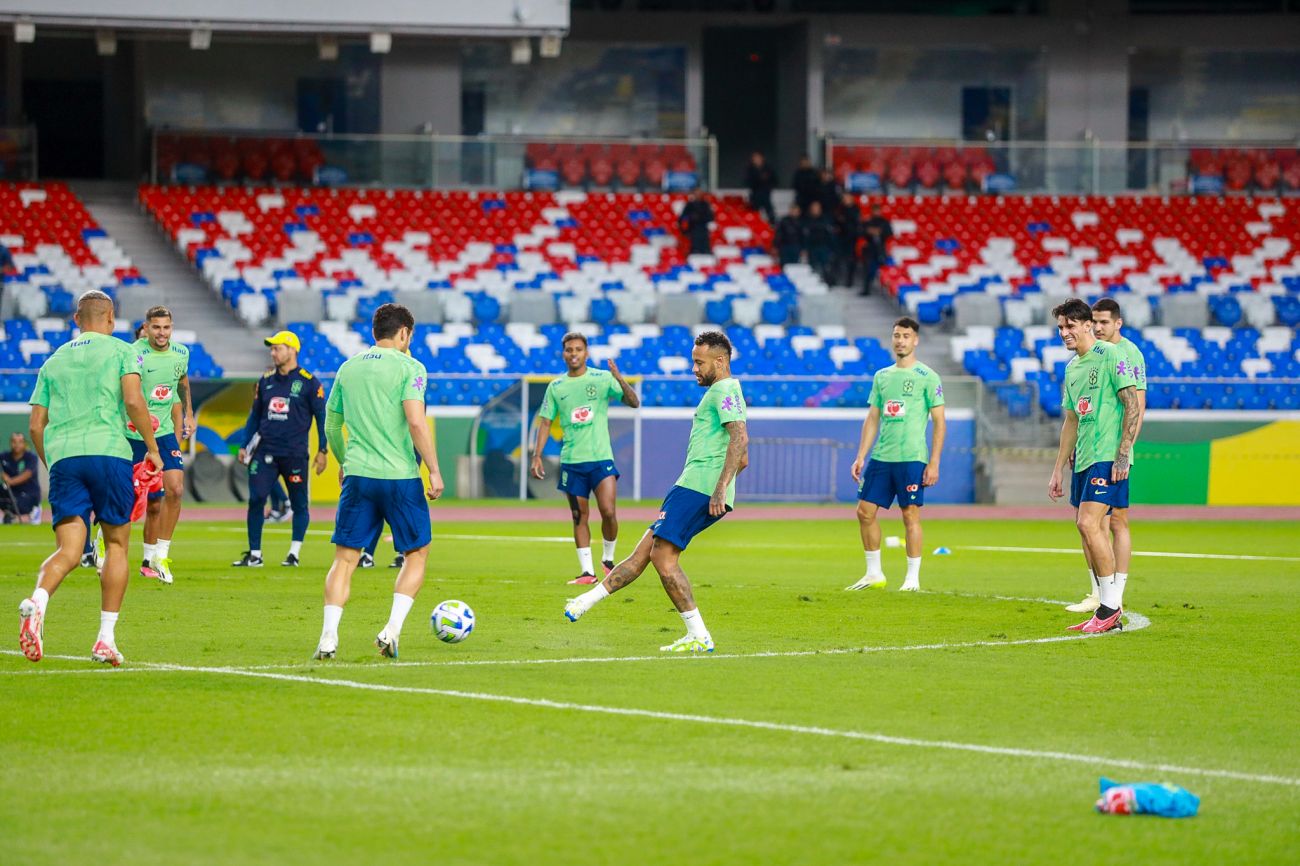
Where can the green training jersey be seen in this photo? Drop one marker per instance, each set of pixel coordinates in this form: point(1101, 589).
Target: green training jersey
point(1092, 385)
point(81, 385)
point(706, 452)
point(582, 405)
point(159, 377)
point(1131, 364)
point(904, 397)
point(369, 390)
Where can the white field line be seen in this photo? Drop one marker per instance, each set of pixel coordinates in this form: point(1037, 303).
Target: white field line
point(1169, 554)
point(720, 721)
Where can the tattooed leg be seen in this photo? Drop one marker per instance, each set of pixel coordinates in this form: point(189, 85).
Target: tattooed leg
point(630, 569)
point(666, 558)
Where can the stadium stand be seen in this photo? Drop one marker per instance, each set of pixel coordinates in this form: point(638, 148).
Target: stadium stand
point(58, 252)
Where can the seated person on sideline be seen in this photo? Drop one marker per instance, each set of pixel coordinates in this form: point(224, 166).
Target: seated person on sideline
point(22, 489)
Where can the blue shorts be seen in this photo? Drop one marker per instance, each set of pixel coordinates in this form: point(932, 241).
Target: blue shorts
point(367, 503)
point(684, 515)
point(579, 479)
point(80, 484)
point(170, 450)
point(1094, 485)
point(883, 482)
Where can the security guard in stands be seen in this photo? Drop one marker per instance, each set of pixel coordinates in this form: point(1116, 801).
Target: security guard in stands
point(285, 401)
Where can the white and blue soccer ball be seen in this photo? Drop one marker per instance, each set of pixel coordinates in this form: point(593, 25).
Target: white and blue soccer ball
point(453, 621)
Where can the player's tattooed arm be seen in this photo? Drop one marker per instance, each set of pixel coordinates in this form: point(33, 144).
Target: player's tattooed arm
point(630, 397)
point(737, 459)
point(1132, 420)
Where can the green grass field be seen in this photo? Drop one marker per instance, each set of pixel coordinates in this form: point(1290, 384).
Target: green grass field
point(220, 743)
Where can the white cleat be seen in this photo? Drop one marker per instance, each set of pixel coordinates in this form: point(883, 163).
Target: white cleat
point(327, 648)
point(387, 644)
point(163, 568)
point(868, 581)
point(689, 644)
point(1088, 605)
point(106, 653)
point(910, 587)
point(574, 608)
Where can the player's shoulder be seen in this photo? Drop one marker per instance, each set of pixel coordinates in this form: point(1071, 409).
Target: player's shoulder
point(269, 373)
point(1103, 349)
point(891, 368)
point(304, 373)
point(181, 349)
point(925, 370)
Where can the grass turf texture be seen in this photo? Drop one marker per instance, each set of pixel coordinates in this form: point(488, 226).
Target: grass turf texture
point(152, 766)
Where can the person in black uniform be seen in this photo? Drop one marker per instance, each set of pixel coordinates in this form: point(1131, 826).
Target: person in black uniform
point(819, 234)
point(694, 222)
point(285, 401)
point(21, 490)
point(760, 179)
point(876, 234)
point(848, 228)
point(789, 237)
point(807, 183)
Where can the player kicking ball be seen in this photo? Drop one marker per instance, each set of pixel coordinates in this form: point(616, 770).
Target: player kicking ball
point(1100, 405)
point(1106, 324)
point(717, 451)
point(77, 431)
point(379, 396)
point(904, 398)
point(580, 399)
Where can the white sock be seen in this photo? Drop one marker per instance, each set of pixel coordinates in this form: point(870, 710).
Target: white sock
point(607, 549)
point(256, 554)
point(333, 613)
point(295, 548)
point(873, 563)
point(913, 570)
point(401, 607)
point(695, 624)
point(42, 599)
point(584, 560)
point(1092, 584)
point(149, 550)
point(1107, 584)
point(595, 594)
point(107, 622)
point(163, 548)
point(1121, 579)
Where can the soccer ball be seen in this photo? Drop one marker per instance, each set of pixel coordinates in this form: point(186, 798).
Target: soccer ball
point(452, 621)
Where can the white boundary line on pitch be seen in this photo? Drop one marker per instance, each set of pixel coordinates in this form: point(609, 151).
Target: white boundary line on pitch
point(1171, 554)
point(721, 721)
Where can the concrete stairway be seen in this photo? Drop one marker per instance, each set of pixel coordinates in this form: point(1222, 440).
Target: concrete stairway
point(194, 306)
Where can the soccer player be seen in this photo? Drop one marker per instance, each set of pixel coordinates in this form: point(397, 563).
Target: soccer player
point(78, 431)
point(903, 399)
point(166, 384)
point(1106, 324)
point(1101, 420)
point(379, 396)
point(706, 490)
point(581, 400)
point(285, 401)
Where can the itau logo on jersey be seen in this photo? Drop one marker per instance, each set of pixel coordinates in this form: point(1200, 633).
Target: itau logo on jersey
point(278, 409)
point(161, 393)
point(1084, 405)
point(895, 409)
point(581, 415)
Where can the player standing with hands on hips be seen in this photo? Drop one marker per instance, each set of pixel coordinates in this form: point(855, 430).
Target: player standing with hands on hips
point(285, 402)
point(580, 399)
point(79, 432)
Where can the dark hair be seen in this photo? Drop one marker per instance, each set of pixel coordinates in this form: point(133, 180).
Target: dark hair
point(573, 335)
point(1075, 309)
point(389, 319)
point(158, 312)
point(1108, 305)
point(908, 322)
point(714, 340)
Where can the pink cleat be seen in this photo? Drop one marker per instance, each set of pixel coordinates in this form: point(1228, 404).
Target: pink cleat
point(608, 565)
point(106, 653)
point(1079, 626)
point(1098, 626)
point(583, 580)
point(31, 633)
point(147, 570)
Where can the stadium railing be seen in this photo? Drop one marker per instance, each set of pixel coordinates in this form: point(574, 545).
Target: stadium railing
point(434, 161)
point(1064, 168)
